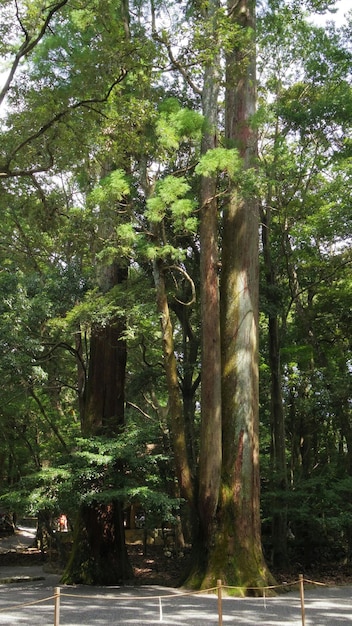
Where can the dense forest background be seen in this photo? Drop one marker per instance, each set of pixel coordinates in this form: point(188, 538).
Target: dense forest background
point(120, 164)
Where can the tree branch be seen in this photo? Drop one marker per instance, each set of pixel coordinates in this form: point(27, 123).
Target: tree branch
point(47, 418)
point(64, 346)
point(176, 64)
point(6, 172)
point(140, 410)
point(28, 44)
point(187, 277)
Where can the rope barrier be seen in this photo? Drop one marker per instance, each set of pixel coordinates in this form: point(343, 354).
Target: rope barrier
point(24, 604)
point(314, 582)
point(292, 584)
point(159, 598)
point(178, 594)
point(169, 595)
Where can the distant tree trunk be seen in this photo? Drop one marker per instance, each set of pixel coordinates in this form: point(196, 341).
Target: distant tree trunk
point(99, 554)
point(189, 382)
point(105, 387)
point(175, 408)
point(278, 437)
point(305, 420)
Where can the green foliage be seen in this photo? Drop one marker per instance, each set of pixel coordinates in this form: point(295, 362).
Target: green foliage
point(219, 160)
point(169, 198)
point(113, 188)
point(319, 516)
point(102, 469)
point(107, 131)
point(176, 125)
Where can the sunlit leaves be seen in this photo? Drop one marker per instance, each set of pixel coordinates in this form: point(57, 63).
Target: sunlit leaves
point(176, 124)
point(111, 189)
point(219, 160)
point(169, 195)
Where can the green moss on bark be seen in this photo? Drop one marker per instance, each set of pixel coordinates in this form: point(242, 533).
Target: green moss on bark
point(99, 555)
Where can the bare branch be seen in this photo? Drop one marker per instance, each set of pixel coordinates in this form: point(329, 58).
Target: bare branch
point(187, 276)
point(177, 64)
point(140, 410)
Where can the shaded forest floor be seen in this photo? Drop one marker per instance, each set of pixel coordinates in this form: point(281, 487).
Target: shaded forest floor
point(157, 568)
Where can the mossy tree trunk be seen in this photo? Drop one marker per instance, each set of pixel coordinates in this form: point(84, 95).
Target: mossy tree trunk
point(228, 546)
point(99, 554)
point(234, 553)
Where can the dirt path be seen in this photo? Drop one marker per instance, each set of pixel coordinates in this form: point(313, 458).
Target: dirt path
point(21, 539)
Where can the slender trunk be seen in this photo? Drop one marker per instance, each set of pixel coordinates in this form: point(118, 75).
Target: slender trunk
point(306, 428)
point(48, 420)
point(189, 383)
point(278, 437)
point(210, 437)
point(175, 408)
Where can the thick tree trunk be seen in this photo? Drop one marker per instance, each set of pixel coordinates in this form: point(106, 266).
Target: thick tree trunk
point(105, 392)
point(210, 453)
point(239, 518)
point(236, 556)
point(99, 554)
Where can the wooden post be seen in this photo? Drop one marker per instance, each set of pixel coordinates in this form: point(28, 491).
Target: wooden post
point(219, 602)
point(301, 591)
point(57, 606)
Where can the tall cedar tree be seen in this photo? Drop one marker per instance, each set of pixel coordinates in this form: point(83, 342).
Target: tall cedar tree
point(99, 554)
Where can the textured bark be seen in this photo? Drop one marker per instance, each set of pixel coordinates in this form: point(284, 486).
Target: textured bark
point(175, 408)
point(104, 406)
point(102, 392)
point(99, 556)
point(238, 536)
point(230, 548)
point(189, 382)
point(99, 553)
point(210, 439)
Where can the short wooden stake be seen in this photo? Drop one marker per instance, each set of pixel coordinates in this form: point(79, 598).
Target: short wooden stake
point(57, 606)
point(301, 591)
point(219, 585)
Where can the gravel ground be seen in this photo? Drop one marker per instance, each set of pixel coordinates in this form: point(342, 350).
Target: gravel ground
point(27, 598)
point(85, 606)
